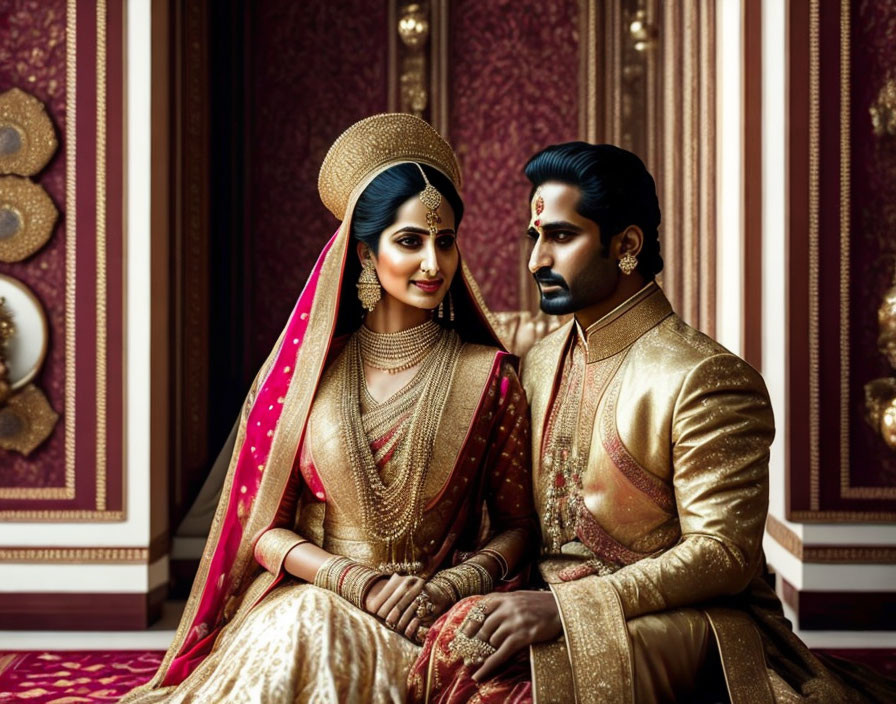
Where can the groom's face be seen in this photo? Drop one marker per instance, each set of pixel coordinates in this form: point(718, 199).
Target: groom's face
point(568, 260)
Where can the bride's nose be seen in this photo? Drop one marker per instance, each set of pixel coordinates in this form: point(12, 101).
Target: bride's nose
point(429, 265)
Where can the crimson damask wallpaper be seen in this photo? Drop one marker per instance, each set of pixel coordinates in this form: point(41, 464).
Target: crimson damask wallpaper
point(513, 82)
point(315, 68)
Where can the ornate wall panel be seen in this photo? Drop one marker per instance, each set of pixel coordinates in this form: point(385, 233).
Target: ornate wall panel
point(315, 68)
point(513, 89)
point(69, 55)
point(842, 255)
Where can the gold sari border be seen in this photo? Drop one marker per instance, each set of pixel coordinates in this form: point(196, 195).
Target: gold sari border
point(469, 386)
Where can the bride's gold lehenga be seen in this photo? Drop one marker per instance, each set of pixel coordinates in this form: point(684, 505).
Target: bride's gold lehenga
point(407, 485)
point(303, 643)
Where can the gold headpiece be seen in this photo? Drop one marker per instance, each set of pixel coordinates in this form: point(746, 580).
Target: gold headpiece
point(374, 144)
point(432, 199)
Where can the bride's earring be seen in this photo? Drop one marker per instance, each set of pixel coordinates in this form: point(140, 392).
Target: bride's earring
point(450, 307)
point(369, 289)
point(440, 313)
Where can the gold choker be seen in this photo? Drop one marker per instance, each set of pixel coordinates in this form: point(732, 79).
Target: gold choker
point(394, 352)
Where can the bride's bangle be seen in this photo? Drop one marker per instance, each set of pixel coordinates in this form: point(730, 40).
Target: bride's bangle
point(463, 580)
point(347, 578)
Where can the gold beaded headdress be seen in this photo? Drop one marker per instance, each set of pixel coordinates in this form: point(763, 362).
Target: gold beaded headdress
point(372, 145)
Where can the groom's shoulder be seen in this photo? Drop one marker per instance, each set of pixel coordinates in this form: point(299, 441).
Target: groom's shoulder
point(680, 342)
point(679, 350)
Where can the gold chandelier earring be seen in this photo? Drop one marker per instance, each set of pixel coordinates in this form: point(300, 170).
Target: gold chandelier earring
point(440, 313)
point(628, 263)
point(369, 290)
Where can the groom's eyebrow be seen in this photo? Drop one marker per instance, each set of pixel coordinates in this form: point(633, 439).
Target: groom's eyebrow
point(561, 225)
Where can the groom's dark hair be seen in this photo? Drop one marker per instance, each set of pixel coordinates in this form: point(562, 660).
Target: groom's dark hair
point(617, 191)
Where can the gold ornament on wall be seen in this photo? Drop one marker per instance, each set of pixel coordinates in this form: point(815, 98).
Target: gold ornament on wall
point(27, 138)
point(413, 29)
point(26, 421)
point(880, 394)
point(26, 417)
point(883, 110)
point(27, 217)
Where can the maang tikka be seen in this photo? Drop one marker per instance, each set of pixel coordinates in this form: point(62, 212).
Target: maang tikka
point(432, 199)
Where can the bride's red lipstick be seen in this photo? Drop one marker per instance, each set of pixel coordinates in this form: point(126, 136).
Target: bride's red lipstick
point(429, 286)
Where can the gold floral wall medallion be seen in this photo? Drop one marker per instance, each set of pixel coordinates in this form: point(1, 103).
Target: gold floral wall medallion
point(26, 420)
point(27, 138)
point(27, 216)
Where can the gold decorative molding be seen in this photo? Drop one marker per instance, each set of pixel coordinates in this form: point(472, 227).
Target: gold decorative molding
point(101, 273)
point(828, 554)
point(27, 138)
point(74, 555)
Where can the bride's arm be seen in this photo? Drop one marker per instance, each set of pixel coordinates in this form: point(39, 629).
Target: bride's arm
point(509, 481)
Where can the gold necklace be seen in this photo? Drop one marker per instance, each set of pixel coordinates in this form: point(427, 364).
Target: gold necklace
point(393, 352)
point(391, 512)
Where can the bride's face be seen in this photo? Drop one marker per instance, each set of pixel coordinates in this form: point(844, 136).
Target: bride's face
point(413, 266)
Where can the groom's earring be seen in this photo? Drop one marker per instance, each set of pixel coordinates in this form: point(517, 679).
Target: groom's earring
point(628, 263)
point(369, 289)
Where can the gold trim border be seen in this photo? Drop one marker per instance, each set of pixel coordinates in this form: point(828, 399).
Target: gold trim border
point(832, 554)
point(814, 367)
point(74, 555)
point(101, 290)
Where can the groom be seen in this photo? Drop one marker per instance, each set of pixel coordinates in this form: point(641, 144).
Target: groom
point(650, 470)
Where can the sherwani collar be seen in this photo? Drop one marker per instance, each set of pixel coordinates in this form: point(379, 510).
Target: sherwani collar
point(619, 328)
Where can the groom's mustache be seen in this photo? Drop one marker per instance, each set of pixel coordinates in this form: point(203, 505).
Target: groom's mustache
point(546, 277)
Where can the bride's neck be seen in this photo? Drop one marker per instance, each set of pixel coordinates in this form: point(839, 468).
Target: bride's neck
point(391, 315)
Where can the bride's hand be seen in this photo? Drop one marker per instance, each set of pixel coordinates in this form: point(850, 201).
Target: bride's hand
point(390, 598)
point(434, 604)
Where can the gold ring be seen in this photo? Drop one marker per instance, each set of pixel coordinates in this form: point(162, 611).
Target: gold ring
point(424, 606)
point(479, 612)
point(470, 649)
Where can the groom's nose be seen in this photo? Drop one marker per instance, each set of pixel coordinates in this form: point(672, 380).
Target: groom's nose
point(540, 256)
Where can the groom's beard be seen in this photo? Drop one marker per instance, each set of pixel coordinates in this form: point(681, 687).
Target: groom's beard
point(559, 301)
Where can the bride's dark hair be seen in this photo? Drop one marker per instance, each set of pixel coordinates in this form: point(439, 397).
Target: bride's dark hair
point(378, 204)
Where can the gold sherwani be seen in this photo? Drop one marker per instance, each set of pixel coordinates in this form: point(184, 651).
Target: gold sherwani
point(650, 452)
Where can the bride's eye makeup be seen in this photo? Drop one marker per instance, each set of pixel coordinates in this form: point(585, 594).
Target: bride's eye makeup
point(445, 241)
point(409, 241)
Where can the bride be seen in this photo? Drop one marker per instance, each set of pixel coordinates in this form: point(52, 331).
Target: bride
point(380, 470)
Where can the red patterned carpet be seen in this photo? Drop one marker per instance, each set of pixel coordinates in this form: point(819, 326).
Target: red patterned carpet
point(71, 677)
